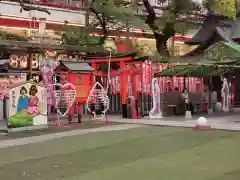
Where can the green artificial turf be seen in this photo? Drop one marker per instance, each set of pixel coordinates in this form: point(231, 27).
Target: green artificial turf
point(146, 153)
point(55, 129)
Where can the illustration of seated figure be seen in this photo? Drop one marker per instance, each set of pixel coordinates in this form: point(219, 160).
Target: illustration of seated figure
point(33, 100)
point(22, 100)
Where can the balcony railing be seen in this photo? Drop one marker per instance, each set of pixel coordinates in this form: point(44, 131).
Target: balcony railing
point(68, 4)
point(58, 14)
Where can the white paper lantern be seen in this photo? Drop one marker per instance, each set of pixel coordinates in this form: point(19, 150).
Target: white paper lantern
point(202, 121)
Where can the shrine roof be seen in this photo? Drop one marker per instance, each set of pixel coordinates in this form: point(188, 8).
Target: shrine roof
point(223, 52)
point(184, 60)
point(220, 52)
point(207, 30)
point(221, 35)
point(213, 28)
point(193, 71)
point(77, 66)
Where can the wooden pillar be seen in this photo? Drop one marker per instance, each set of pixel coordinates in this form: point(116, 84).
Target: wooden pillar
point(54, 114)
point(94, 66)
point(70, 114)
point(134, 93)
point(117, 102)
point(93, 81)
point(123, 90)
point(79, 110)
point(2, 109)
point(233, 91)
point(30, 64)
point(210, 95)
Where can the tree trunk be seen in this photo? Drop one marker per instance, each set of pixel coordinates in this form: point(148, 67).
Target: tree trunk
point(102, 20)
point(161, 44)
point(161, 38)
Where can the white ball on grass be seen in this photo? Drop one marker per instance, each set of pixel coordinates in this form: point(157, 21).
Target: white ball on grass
point(202, 121)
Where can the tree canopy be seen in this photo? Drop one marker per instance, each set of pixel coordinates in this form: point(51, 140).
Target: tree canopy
point(177, 13)
point(106, 15)
point(170, 18)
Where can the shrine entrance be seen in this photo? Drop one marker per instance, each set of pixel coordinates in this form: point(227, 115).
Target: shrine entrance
point(130, 97)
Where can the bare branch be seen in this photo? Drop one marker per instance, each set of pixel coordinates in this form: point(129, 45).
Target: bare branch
point(102, 20)
point(164, 35)
point(114, 24)
point(151, 17)
point(27, 7)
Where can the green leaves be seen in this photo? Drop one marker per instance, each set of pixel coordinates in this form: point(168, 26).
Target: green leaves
point(180, 27)
point(124, 14)
point(79, 37)
point(157, 58)
point(222, 7)
point(181, 6)
point(11, 36)
point(119, 14)
point(174, 17)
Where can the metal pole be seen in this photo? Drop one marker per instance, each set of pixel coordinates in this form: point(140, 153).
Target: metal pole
point(210, 95)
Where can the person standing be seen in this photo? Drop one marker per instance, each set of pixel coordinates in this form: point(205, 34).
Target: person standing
point(185, 97)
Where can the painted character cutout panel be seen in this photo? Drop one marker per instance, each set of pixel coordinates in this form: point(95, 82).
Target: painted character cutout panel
point(33, 100)
point(22, 100)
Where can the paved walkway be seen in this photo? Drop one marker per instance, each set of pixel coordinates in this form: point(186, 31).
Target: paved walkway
point(228, 122)
point(47, 137)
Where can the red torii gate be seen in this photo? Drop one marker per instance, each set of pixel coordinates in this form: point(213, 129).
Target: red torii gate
point(124, 73)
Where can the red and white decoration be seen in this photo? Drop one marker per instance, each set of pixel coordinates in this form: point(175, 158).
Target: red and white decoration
point(64, 97)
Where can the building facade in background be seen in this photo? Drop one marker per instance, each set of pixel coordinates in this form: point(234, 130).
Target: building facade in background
point(34, 24)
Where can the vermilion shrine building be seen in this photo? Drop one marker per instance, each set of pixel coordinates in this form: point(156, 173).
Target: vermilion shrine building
point(130, 75)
